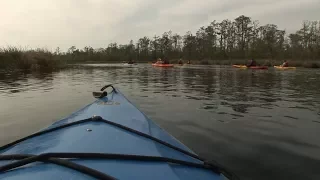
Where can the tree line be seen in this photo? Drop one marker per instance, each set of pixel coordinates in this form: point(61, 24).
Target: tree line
point(241, 38)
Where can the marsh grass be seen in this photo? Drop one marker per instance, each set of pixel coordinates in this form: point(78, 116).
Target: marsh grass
point(22, 58)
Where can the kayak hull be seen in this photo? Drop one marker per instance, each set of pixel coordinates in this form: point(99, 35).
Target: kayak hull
point(284, 68)
point(99, 137)
point(252, 67)
point(162, 65)
point(240, 66)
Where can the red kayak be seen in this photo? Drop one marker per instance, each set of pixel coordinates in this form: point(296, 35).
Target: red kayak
point(162, 65)
point(251, 67)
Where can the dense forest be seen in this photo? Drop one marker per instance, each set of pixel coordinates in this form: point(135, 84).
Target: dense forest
point(242, 38)
point(239, 39)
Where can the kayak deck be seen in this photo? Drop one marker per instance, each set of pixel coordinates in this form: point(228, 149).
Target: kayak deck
point(100, 127)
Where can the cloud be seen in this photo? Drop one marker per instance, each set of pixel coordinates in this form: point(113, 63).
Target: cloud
point(52, 23)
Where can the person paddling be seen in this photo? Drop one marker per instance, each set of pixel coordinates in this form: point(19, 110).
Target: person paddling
point(285, 64)
point(166, 61)
point(159, 61)
point(251, 63)
point(130, 61)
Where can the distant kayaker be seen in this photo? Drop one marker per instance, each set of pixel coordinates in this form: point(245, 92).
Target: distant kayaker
point(188, 62)
point(159, 61)
point(130, 61)
point(251, 63)
point(166, 61)
point(285, 64)
point(180, 61)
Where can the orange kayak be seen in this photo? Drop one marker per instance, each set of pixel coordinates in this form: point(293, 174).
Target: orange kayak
point(162, 65)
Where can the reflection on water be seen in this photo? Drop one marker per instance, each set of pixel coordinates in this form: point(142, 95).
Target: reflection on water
point(23, 81)
point(260, 124)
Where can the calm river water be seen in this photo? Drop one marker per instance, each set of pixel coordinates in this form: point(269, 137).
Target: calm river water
point(262, 124)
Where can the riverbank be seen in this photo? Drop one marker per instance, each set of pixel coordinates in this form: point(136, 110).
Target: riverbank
point(264, 62)
point(40, 59)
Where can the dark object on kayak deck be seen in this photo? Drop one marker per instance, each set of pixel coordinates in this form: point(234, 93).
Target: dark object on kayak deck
point(103, 93)
point(108, 139)
point(99, 94)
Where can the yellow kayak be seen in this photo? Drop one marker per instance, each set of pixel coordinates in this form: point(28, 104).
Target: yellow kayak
point(284, 68)
point(239, 66)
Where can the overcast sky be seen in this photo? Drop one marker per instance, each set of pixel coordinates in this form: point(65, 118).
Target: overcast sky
point(63, 23)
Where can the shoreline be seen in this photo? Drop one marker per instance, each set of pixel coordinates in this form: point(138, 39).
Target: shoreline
point(260, 62)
